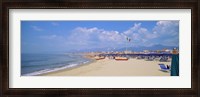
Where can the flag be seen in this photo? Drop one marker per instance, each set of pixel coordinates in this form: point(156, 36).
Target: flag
point(128, 39)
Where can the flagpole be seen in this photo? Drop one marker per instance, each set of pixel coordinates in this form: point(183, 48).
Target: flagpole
point(128, 40)
point(126, 45)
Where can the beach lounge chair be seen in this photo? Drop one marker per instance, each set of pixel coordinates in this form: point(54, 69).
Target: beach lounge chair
point(139, 57)
point(157, 58)
point(164, 68)
point(164, 59)
point(149, 59)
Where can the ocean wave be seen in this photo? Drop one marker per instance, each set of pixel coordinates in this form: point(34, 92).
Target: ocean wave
point(54, 69)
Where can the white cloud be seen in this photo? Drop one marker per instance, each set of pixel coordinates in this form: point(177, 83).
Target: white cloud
point(48, 37)
point(112, 36)
point(95, 34)
point(133, 29)
point(95, 37)
point(52, 37)
point(139, 34)
point(99, 38)
point(167, 32)
point(36, 28)
point(170, 28)
point(163, 32)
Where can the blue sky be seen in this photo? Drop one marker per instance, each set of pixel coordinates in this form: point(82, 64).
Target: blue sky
point(61, 36)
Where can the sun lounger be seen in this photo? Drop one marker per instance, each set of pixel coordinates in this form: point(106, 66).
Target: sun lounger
point(157, 59)
point(164, 68)
point(149, 59)
point(140, 57)
point(164, 59)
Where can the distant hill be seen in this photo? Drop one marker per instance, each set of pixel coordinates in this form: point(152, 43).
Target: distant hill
point(137, 49)
point(154, 47)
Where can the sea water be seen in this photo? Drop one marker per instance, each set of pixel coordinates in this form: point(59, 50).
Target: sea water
point(35, 64)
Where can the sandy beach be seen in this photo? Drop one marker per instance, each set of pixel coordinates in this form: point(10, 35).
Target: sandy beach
point(110, 67)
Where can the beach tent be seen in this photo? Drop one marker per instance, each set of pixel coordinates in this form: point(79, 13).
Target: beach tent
point(175, 65)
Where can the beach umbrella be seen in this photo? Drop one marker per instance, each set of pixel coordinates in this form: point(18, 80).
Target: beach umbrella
point(175, 65)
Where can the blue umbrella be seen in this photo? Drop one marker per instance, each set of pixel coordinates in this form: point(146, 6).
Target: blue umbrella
point(175, 65)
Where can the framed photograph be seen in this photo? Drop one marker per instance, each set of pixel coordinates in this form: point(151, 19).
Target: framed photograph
point(136, 48)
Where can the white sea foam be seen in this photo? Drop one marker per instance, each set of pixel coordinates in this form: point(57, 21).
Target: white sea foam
point(53, 69)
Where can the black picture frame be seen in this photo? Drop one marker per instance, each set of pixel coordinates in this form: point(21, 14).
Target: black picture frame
point(99, 4)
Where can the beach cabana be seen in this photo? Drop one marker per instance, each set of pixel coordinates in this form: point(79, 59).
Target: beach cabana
point(175, 65)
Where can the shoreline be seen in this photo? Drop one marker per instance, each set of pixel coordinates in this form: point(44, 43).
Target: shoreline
point(89, 60)
point(67, 69)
